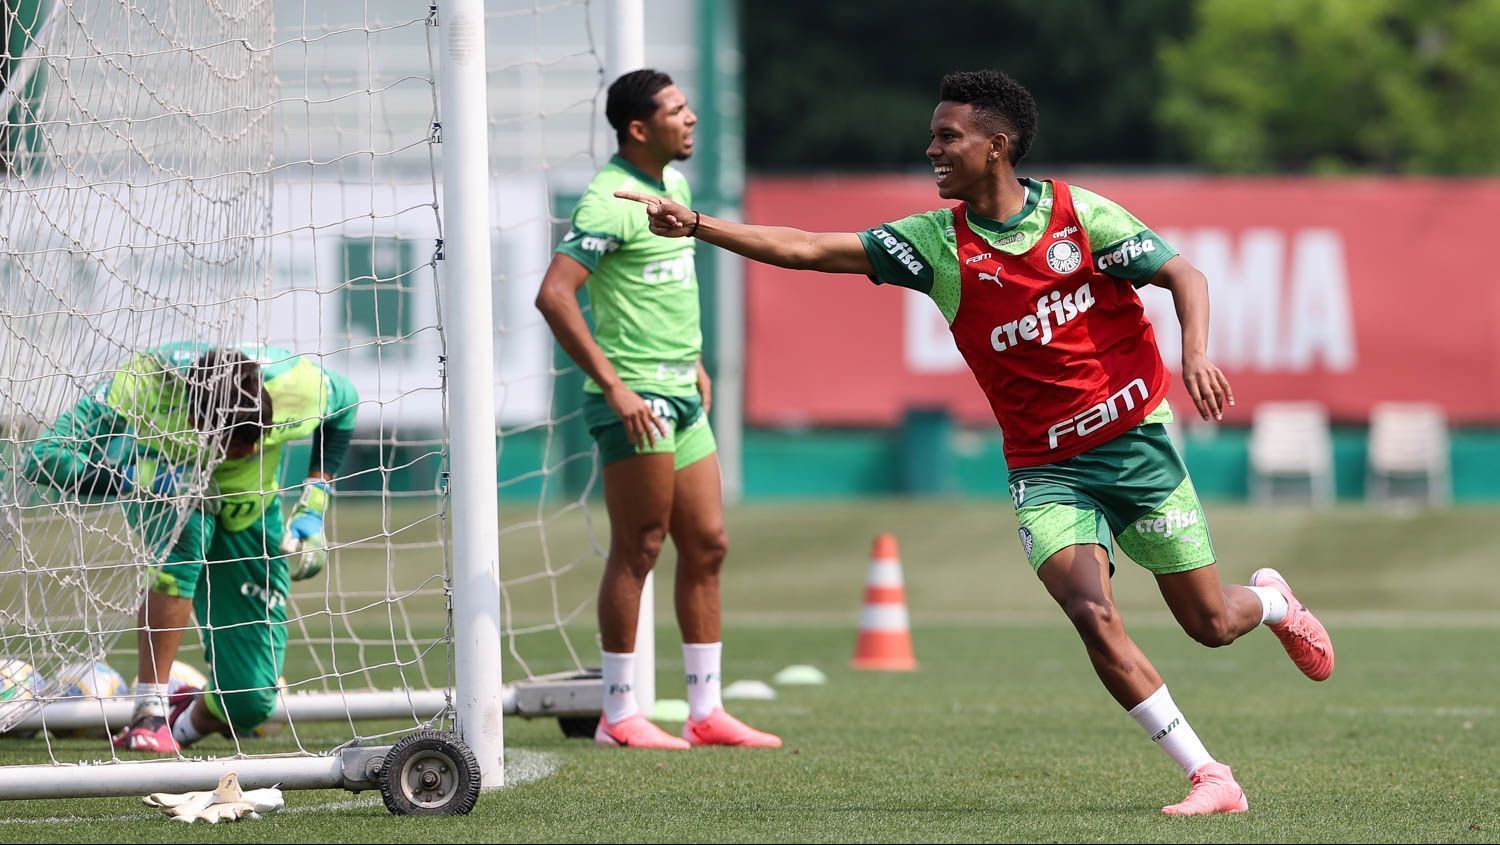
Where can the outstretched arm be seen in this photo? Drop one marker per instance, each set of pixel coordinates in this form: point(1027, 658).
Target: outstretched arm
point(777, 245)
point(1205, 382)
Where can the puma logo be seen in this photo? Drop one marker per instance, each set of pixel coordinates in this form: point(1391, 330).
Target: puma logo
point(990, 277)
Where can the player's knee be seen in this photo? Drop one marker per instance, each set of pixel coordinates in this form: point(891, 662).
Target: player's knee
point(1210, 630)
point(651, 538)
point(710, 551)
point(640, 548)
point(1094, 617)
point(246, 709)
point(702, 566)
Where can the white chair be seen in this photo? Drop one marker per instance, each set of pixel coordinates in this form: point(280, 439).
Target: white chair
point(1291, 452)
point(1409, 457)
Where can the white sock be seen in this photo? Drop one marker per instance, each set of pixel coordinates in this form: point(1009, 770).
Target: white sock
point(619, 686)
point(1168, 728)
point(1272, 604)
point(703, 678)
point(150, 700)
point(183, 730)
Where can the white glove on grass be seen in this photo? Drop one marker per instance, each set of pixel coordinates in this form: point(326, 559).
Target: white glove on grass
point(226, 803)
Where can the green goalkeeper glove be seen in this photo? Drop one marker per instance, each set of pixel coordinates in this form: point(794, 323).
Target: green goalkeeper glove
point(304, 533)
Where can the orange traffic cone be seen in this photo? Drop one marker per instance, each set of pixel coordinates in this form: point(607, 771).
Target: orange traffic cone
point(884, 630)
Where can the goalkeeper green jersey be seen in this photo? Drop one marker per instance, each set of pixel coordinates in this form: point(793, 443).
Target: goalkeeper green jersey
point(642, 287)
point(147, 398)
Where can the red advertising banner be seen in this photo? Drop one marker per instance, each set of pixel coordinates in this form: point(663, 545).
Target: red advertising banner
point(1345, 291)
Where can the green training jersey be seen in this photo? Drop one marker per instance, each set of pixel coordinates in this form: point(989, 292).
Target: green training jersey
point(150, 394)
point(921, 251)
point(642, 287)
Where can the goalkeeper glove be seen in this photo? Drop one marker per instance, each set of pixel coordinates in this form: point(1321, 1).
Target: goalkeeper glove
point(226, 803)
point(304, 534)
point(146, 474)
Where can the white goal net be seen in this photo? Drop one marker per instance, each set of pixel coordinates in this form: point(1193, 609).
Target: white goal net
point(266, 176)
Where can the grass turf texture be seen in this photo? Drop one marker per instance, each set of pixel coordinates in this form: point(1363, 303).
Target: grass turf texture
point(1003, 734)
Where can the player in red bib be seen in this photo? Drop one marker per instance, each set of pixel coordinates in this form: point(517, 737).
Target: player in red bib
point(1037, 281)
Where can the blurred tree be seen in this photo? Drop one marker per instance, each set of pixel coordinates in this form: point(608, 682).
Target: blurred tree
point(1337, 85)
point(851, 86)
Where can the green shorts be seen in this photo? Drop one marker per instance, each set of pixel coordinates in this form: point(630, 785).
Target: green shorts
point(1134, 488)
point(238, 583)
point(689, 438)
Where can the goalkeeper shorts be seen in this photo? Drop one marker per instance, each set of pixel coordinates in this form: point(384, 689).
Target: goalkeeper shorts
point(238, 584)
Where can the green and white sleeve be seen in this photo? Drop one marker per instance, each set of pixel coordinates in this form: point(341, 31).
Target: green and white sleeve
point(1122, 245)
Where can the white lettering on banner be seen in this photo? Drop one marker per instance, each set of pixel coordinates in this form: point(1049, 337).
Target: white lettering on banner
point(1244, 293)
point(1321, 325)
point(928, 343)
point(1279, 300)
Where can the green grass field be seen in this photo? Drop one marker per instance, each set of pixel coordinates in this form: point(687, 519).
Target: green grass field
point(1003, 734)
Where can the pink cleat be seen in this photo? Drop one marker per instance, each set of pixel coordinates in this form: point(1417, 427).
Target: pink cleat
point(1214, 791)
point(148, 733)
point(1305, 639)
point(636, 732)
point(720, 728)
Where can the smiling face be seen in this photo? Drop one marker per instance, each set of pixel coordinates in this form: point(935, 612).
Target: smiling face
point(965, 158)
point(668, 134)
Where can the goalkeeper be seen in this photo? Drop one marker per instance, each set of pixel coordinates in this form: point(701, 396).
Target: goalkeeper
point(189, 437)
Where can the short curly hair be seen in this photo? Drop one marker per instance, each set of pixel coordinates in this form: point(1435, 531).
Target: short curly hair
point(1001, 104)
point(633, 97)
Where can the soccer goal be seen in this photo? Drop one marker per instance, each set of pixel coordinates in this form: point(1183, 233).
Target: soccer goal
point(368, 185)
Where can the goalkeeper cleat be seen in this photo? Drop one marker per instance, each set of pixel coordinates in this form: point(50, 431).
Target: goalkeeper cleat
point(1214, 791)
point(148, 733)
point(720, 728)
point(636, 732)
point(1305, 639)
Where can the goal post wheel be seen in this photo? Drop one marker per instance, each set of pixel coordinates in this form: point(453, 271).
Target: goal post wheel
point(430, 773)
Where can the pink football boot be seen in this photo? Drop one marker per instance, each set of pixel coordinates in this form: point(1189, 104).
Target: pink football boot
point(1214, 791)
point(720, 728)
point(636, 732)
point(1305, 639)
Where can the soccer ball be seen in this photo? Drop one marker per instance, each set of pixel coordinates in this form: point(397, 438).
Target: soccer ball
point(185, 675)
point(97, 681)
point(18, 680)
